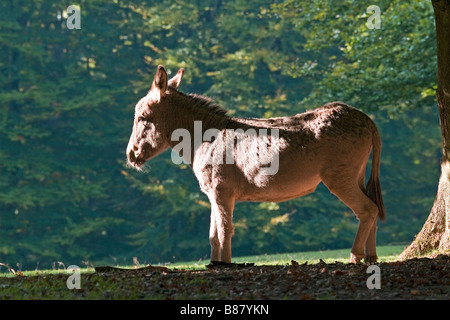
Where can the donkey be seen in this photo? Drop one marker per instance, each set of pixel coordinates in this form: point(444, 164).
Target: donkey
point(331, 144)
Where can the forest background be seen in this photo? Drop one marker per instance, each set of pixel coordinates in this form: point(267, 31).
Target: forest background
point(67, 100)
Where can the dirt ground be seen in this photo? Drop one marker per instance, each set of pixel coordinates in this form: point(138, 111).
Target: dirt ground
point(415, 279)
point(418, 278)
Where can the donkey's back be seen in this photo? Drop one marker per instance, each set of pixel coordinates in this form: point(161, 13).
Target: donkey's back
point(330, 144)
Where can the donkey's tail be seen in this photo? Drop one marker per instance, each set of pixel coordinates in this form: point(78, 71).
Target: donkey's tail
point(374, 186)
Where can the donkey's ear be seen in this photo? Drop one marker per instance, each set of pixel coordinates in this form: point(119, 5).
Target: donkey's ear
point(159, 85)
point(176, 80)
point(160, 80)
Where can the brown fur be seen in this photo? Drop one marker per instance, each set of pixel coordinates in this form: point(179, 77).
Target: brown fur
point(331, 144)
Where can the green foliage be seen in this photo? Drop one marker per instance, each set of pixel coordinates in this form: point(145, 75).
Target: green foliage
point(66, 109)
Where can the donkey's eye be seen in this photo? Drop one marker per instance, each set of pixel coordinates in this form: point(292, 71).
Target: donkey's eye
point(145, 119)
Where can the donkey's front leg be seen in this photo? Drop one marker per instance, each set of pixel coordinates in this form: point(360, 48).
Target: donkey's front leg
point(214, 238)
point(221, 228)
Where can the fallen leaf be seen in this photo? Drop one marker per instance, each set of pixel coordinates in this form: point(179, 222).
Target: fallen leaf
point(415, 292)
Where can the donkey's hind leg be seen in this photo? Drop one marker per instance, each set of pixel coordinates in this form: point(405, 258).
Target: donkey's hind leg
point(365, 210)
point(370, 249)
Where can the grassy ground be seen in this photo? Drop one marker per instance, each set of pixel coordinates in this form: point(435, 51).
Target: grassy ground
point(179, 281)
point(385, 254)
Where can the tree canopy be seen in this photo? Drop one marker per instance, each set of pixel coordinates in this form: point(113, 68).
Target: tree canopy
point(67, 99)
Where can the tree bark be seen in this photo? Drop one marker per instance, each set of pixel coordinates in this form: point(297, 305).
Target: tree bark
point(435, 233)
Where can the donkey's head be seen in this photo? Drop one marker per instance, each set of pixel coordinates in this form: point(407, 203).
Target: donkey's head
point(150, 137)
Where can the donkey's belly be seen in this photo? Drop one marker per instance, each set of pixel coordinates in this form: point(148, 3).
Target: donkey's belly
point(278, 190)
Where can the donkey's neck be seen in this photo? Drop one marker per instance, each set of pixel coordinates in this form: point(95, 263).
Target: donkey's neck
point(189, 117)
point(189, 108)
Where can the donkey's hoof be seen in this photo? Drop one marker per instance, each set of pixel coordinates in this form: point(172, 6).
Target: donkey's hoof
point(370, 259)
point(355, 258)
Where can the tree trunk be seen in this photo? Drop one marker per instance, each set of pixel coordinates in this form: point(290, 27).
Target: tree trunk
point(435, 234)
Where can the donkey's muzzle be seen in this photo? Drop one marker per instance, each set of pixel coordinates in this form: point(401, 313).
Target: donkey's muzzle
point(135, 158)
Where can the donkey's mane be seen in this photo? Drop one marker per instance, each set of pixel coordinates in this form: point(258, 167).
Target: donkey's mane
point(207, 103)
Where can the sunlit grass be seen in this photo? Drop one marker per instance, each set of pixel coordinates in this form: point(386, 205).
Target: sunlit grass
point(5, 273)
